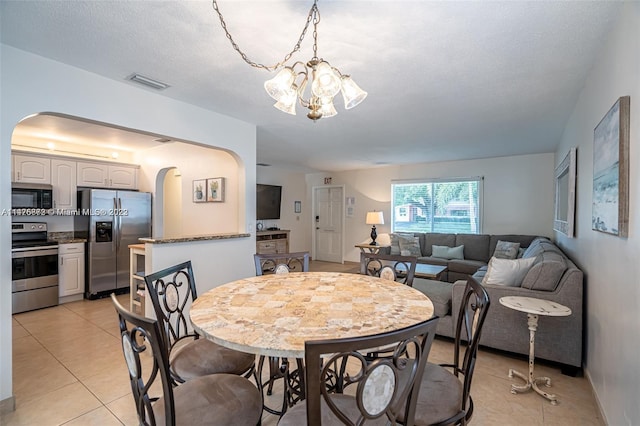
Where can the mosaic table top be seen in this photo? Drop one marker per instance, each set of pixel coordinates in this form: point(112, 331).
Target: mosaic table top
point(274, 314)
point(532, 305)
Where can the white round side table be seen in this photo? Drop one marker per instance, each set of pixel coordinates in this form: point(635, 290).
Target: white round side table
point(533, 308)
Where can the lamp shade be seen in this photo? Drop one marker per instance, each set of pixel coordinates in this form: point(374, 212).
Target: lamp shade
point(375, 218)
point(280, 85)
point(351, 92)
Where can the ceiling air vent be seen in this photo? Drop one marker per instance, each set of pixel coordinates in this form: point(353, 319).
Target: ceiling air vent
point(149, 82)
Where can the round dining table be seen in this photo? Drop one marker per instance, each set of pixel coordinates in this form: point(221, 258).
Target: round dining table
point(273, 315)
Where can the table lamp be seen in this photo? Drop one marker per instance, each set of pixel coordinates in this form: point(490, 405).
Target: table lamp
point(374, 218)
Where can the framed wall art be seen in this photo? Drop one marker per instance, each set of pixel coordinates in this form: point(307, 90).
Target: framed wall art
point(610, 203)
point(565, 202)
point(215, 189)
point(199, 191)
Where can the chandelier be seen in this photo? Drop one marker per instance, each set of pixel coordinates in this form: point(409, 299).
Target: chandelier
point(289, 86)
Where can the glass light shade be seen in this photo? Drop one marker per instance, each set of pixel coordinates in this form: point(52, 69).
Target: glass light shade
point(327, 109)
point(280, 85)
point(287, 102)
point(374, 218)
point(326, 83)
point(351, 92)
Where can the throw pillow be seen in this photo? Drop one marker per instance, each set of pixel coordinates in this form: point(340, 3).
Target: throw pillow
point(446, 252)
point(409, 246)
point(506, 250)
point(395, 242)
point(507, 272)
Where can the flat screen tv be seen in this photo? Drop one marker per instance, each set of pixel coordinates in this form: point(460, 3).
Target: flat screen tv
point(268, 201)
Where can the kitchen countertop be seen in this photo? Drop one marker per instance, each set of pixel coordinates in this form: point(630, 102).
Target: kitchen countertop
point(191, 238)
point(65, 237)
point(70, 240)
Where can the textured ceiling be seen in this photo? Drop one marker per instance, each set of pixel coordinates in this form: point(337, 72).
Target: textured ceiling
point(447, 80)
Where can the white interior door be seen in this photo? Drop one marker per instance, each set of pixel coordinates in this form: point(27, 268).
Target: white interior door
point(328, 210)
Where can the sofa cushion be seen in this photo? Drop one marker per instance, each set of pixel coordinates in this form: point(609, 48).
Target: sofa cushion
point(409, 246)
point(524, 240)
point(445, 252)
point(476, 247)
point(434, 238)
point(506, 250)
point(395, 242)
point(507, 272)
point(535, 248)
point(438, 292)
point(545, 273)
point(433, 260)
point(466, 266)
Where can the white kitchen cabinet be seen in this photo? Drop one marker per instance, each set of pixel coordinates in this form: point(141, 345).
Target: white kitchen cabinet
point(99, 175)
point(31, 169)
point(70, 269)
point(63, 179)
point(95, 175)
point(123, 177)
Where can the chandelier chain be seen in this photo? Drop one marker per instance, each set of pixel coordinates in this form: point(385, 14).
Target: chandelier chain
point(314, 15)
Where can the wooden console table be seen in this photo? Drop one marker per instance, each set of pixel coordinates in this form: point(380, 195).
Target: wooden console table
point(269, 242)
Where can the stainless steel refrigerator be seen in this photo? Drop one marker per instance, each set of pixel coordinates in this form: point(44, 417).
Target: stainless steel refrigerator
point(110, 220)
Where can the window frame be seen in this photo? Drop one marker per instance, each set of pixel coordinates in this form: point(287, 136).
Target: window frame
point(432, 181)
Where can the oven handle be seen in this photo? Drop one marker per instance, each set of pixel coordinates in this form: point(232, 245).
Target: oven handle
point(33, 253)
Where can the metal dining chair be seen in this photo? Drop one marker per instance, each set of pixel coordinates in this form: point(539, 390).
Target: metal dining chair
point(216, 399)
point(378, 392)
point(281, 263)
point(292, 379)
point(171, 290)
point(389, 266)
point(445, 391)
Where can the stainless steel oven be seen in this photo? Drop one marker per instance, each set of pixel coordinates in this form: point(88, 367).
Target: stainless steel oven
point(34, 267)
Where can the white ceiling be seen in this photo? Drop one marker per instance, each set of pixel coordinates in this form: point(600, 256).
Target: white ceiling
point(447, 80)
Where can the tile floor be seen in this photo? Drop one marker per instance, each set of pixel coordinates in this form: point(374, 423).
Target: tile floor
point(68, 369)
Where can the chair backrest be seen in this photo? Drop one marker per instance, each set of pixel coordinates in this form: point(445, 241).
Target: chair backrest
point(138, 334)
point(281, 263)
point(388, 266)
point(171, 290)
point(473, 311)
point(384, 387)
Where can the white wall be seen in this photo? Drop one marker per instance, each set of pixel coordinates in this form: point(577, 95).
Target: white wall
point(194, 163)
point(610, 263)
point(32, 84)
point(293, 189)
point(518, 193)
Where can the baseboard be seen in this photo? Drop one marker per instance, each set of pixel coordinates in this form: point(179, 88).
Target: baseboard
point(8, 405)
point(595, 396)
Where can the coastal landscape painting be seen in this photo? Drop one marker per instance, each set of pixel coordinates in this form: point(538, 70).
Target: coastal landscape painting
point(610, 206)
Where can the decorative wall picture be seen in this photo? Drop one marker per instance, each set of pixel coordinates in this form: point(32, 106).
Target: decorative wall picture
point(610, 208)
point(215, 189)
point(199, 193)
point(565, 202)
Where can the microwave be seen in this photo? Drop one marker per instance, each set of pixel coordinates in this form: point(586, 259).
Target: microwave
point(31, 196)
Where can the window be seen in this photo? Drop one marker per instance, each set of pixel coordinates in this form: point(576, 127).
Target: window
point(447, 206)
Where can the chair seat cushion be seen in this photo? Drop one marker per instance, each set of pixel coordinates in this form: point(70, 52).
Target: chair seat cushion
point(297, 415)
point(202, 357)
point(219, 399)
point(440, 395)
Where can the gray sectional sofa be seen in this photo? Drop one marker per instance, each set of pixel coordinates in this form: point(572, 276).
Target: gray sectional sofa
point(553, 276)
